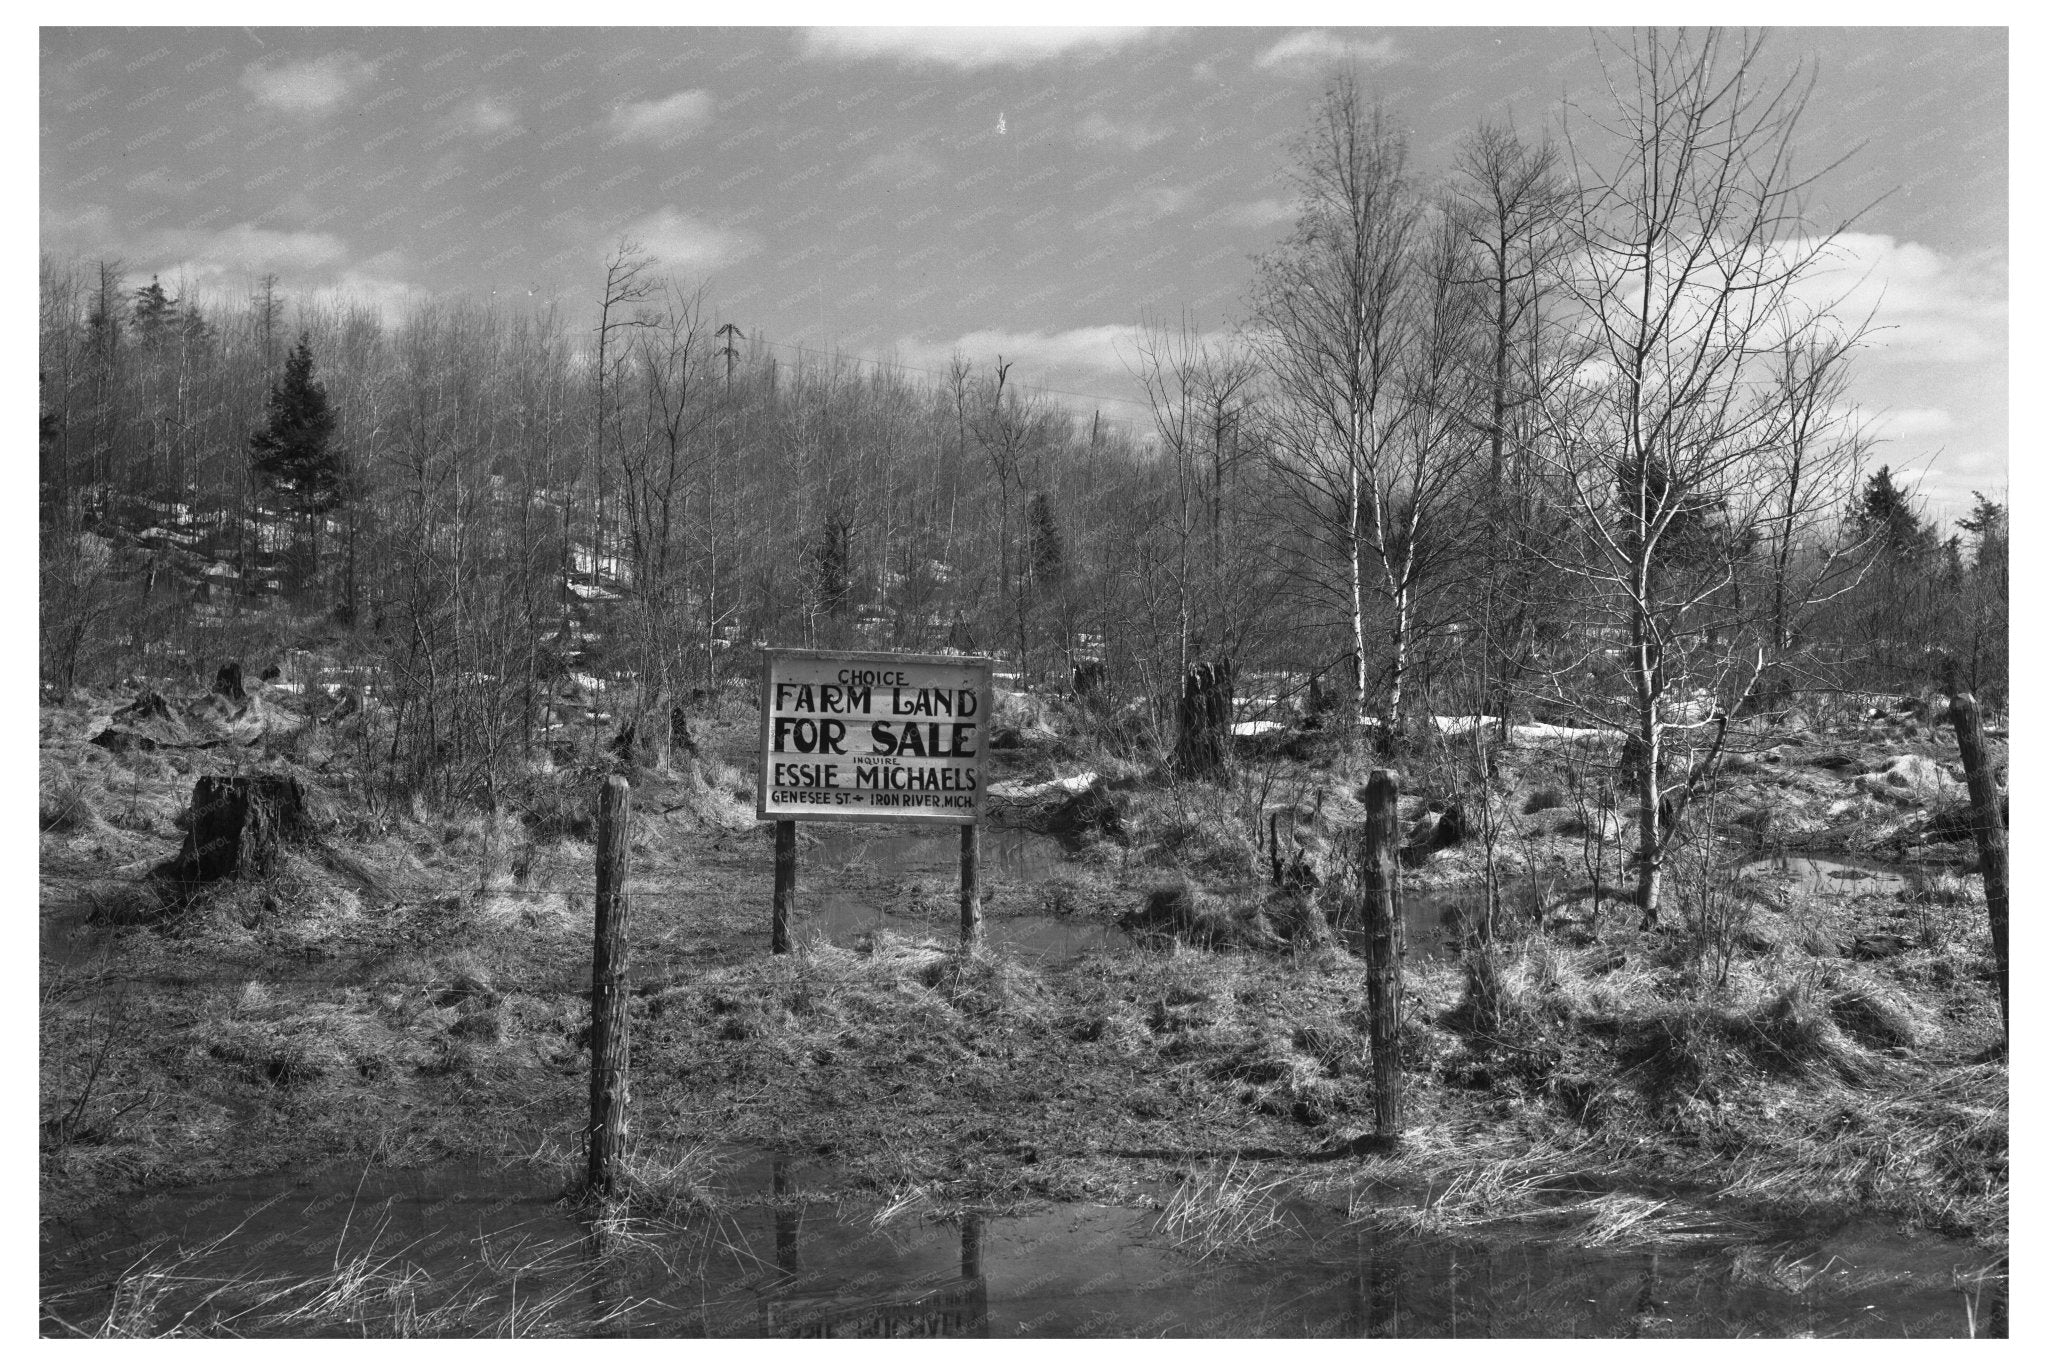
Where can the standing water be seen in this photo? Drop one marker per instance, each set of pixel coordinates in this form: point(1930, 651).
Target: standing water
point(909, 883)
point(466, 1251)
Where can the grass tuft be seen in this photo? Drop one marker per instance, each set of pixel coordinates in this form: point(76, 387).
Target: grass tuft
point(1223, 1208)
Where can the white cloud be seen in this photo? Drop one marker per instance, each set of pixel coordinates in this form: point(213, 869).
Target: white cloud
point(1097, 129)
point(1916, 422)
point(87, 229)
point(965, 47)
point(1103, 349)
point(1260, 213)
point(243, 248)
point(489, 116)
point(679, 115)
point(1321, 47)
point(310, 86)
point(1924, 307)
point(903, 165)
point(391, 299)
point(684, 242)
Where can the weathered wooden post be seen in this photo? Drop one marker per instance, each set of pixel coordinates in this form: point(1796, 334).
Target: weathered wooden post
point(976, 1324)
point(785, 1220)
point(785, 885)
point(970, 886)
point(1988, 819)
point(610, 1054)
point(1381, 881)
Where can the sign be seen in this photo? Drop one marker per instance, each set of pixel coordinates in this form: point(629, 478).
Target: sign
point(955, 1308)
point(873, 736)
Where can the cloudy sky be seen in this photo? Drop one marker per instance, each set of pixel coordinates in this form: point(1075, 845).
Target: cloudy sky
point(900, 194)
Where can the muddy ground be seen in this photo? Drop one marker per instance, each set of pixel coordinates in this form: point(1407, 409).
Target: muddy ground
point(409, 987)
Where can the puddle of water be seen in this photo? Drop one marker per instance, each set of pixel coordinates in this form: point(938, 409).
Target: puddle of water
point(1840, 876)
point(68, 937)
point(469, 1249)
point(1436, 924)
point(1436, 921)
point(924, 867)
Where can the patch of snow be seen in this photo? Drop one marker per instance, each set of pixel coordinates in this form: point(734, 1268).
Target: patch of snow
point(1540, 734)
point(1246, 729)
point(1027, 791)
point(1463, 725)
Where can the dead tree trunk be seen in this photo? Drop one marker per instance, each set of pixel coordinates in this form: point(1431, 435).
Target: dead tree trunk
point(610, 1044)
point(1988, 819)
point(1203, 746)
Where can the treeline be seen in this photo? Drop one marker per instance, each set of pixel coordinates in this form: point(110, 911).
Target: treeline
point(1562, 433)
point(480, 504)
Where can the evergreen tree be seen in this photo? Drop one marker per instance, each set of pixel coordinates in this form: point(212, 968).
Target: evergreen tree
point(1048, 555)
point(1987, 525)
point(155, 312)
point(293, 451)
point(835, 567)
point(1884, 518)
point(192, 325)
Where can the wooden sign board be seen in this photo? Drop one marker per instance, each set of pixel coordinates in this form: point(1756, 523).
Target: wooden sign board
point(874, 736)
point(955, 1308)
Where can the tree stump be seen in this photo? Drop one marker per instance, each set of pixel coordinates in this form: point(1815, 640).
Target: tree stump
point(228, 682)
point(238, 824)
point(1202, 749)
point(1322, 702)
point(144, 723)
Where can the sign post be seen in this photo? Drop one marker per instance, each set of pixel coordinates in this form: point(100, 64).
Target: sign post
point(873, 736)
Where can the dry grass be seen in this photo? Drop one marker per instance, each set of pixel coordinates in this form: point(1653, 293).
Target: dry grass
point(372, 1292)
point(1223, 1208)
point(1934, 1151)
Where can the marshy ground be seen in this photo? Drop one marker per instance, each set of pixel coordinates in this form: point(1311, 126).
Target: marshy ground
point(1792, 1063)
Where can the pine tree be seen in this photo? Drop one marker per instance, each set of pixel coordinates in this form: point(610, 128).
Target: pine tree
point(1987, 524)
point(293, 451)
point(835, 567)
point(1884, 517)
point(1048, 555)
point(155, 312)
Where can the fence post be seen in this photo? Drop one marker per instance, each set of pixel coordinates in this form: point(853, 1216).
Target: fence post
point(1989, 821)
point(785, 885)
point(1382, 887)
point(610, 1045)
point(970, 885)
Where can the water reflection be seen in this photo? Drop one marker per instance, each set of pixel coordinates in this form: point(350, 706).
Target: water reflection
point(478, 1252)
point(1837, 876)
point(919, 872)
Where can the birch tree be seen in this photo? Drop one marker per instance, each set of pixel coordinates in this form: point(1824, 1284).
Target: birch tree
point(1361, 326)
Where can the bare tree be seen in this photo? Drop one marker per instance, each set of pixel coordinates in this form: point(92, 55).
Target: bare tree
point(1509, 201)
point(1366, 329)
point(659, 464)
point(1689, 253)
point(1198, 391)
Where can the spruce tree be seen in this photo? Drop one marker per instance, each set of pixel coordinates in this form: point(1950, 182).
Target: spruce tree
point(156, 312)
point(1048, 554)
point(293, 451)
point(1884, 517)
point(835, 567)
